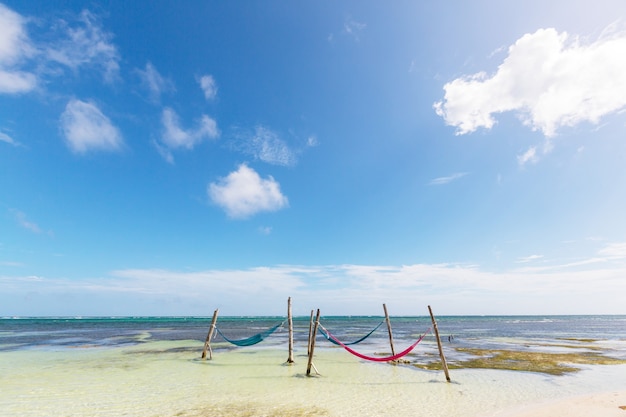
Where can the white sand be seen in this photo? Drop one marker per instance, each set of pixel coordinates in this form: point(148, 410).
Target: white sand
point(610, 404)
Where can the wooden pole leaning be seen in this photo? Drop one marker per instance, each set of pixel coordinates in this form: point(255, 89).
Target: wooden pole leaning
point(443, 358)
point(308, 346)
point(393, 351)
point(317, 322)
point(207, 342)
point(290, 321)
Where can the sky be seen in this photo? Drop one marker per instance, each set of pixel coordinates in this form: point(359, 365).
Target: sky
point(169, 158)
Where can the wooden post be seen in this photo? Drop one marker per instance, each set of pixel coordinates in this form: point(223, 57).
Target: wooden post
point(290, 321)
point(317, 322)
point(308, 347)
point(393, 351)
point(443, 358)
point(207, 342)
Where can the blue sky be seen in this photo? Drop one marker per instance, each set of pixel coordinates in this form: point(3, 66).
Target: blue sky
point(169, 158)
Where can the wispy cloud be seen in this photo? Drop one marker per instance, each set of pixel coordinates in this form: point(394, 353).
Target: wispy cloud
point(353, 28)
point(8, 139)
point(243, 193)
point(15, 47)
point(336, 289)
point(154, 82)
point(551, 79)
point(614, 251)
point(448, 179)
point(529, 258)
point(86, 128)
point(208, 86)
point(530, 156)
point(74, 44)
point(26, 223)
point(85, 44)
point(266, 145)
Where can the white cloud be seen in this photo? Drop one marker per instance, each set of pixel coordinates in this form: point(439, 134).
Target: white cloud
point(312, 141)
point(154, 82)
point(86, 45)
point(209, 87)
point(266, 145)
point(335, 289)
point(448, 179)
point(23, 221)
point(86, 128)
point(551, 79)
point(614, 251)
point(175, 137)
point(15, 46)
point(353, 28)
point(529, 258)
point(8, 139)
point(529, 156)
point(244, 193)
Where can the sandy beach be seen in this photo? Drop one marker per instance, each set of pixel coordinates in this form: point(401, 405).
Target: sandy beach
point(609, 404)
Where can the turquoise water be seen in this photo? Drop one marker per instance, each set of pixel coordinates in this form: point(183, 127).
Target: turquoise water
point(151, 367)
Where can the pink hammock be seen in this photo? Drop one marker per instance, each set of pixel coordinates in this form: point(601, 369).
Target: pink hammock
point(378, 359)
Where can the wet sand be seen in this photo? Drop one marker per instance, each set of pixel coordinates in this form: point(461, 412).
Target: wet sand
point(609, 404)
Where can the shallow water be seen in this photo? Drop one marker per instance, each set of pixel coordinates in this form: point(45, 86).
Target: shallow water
point(166, 378)
point(151, 367)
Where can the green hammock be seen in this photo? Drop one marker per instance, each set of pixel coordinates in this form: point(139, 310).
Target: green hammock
point(252, 340)
point(327, 335)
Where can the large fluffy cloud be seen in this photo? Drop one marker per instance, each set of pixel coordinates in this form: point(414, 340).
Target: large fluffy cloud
point(86, 128)
point(244, 193)
point(551, 79)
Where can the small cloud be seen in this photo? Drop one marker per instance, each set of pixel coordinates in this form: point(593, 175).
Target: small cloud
point(353, 28)
point(265, 230)
point(24, 222)
point(86, 128)
point(15, 46)
point(530, 258)
point(85, 44)
point(154, 82)
point(312, 141)
point(530, 156)
point(208, 86)
point(11, 264)
point(175, 137)
point(244, 193)
point(448, 179)
point(8, 139)
point(550, 79)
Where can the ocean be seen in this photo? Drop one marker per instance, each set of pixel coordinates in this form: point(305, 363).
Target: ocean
point(151, 366)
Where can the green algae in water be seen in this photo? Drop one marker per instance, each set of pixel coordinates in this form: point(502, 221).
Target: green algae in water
point(526, 361)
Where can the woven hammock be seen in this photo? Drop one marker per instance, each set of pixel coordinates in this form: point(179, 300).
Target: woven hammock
point(252, 340)
point(378, 358)
point(326, 334)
